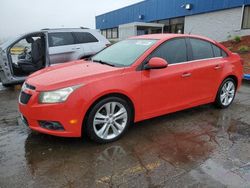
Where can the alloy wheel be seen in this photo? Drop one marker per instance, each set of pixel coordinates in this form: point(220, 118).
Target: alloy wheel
point(227, 93)
point(110, 120)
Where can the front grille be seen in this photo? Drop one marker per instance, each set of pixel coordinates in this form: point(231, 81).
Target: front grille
point(24, 98)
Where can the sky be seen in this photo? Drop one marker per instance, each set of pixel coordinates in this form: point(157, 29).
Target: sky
point(17, 17)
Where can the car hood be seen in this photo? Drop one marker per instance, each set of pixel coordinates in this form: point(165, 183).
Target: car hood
point(69, 74)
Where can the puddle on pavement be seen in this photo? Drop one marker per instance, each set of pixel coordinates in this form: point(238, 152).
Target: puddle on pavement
point(201, 146)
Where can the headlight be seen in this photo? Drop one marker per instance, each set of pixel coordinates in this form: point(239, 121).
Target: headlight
point(56, 96)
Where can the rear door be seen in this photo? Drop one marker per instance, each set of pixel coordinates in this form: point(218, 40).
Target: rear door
point(62, 47)
point(88, 44)
point(208, 62)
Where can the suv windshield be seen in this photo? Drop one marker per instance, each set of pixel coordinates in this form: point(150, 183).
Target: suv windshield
point(123, 53)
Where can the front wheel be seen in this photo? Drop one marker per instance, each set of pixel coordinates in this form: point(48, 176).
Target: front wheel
point(108, 120)
point(226, 93)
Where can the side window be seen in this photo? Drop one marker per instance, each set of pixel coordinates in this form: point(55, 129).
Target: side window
point(218, 52)
point(22, 50)
point(224, 54)
point(84, 37)
point(174, 51)
point(61, 39)
point(201, 49)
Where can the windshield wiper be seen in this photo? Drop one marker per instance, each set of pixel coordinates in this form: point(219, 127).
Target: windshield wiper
point(103, 62)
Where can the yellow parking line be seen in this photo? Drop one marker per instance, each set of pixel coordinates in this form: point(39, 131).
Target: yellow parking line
point(133, 170)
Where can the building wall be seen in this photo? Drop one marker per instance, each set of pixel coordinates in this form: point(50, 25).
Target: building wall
point(152, 10)
point(219, 25)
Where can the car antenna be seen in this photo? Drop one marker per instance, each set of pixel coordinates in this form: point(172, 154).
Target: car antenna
point(190, 32)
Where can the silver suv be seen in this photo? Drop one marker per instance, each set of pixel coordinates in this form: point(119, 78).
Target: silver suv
point(33, 51)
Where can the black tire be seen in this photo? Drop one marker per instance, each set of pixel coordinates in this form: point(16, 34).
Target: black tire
point(89, 126)
point(218, 100)
point(7, 85)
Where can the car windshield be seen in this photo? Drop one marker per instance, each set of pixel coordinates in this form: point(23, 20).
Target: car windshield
point(123, 53)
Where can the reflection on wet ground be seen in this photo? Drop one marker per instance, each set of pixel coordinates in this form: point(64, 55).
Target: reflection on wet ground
point(199, 147)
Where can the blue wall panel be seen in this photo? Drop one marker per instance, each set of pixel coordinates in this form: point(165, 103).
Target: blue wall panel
point(162, 9)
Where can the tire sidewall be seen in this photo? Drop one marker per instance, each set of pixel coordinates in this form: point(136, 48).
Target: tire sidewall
point(90, 119)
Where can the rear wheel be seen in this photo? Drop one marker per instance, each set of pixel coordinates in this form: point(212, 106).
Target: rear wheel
point(108, 120)
point(226, 93)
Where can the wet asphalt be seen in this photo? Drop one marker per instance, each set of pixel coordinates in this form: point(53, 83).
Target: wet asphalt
point(199, 147)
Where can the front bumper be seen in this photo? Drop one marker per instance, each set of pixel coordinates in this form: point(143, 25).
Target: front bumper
point(69, 114)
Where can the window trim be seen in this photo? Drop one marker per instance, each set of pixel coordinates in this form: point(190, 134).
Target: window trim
point(193, 61)
point(189, 53)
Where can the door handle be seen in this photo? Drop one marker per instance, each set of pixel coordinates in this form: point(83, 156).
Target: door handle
point(187, 74)
point(77, 48)
point(217, 67)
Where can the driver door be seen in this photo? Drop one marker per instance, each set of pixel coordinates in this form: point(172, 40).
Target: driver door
point(167, 90)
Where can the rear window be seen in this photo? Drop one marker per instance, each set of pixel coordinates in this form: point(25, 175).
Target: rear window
point(84, 37)
point(61, 39)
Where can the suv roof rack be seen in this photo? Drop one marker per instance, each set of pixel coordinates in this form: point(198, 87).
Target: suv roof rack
point(63, 28)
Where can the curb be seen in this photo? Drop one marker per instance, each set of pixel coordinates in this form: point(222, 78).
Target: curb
point(247, 76)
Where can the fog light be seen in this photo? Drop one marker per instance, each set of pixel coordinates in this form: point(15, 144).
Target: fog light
point(51, 125)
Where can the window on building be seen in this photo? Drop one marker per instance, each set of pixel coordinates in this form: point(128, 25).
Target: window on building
point(84, 37)
point(201, 49)
point(115, 33)
point(175, 25)
point(166, 28)
point(104, 33)
point(61, 39)
point(173, 51)
point(109, 33)
point(246, 18)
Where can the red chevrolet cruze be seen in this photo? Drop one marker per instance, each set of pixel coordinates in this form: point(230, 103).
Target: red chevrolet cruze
point(133, 80)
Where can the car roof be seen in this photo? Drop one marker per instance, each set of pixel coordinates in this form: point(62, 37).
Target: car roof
point(66, 30)
point(170, 36)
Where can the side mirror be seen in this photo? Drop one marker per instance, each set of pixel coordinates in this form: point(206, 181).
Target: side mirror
point(156, 63)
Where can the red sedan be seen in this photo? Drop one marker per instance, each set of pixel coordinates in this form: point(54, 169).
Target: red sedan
point(133, 80)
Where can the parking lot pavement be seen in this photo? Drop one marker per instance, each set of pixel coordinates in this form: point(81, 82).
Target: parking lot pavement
point(199, 147)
